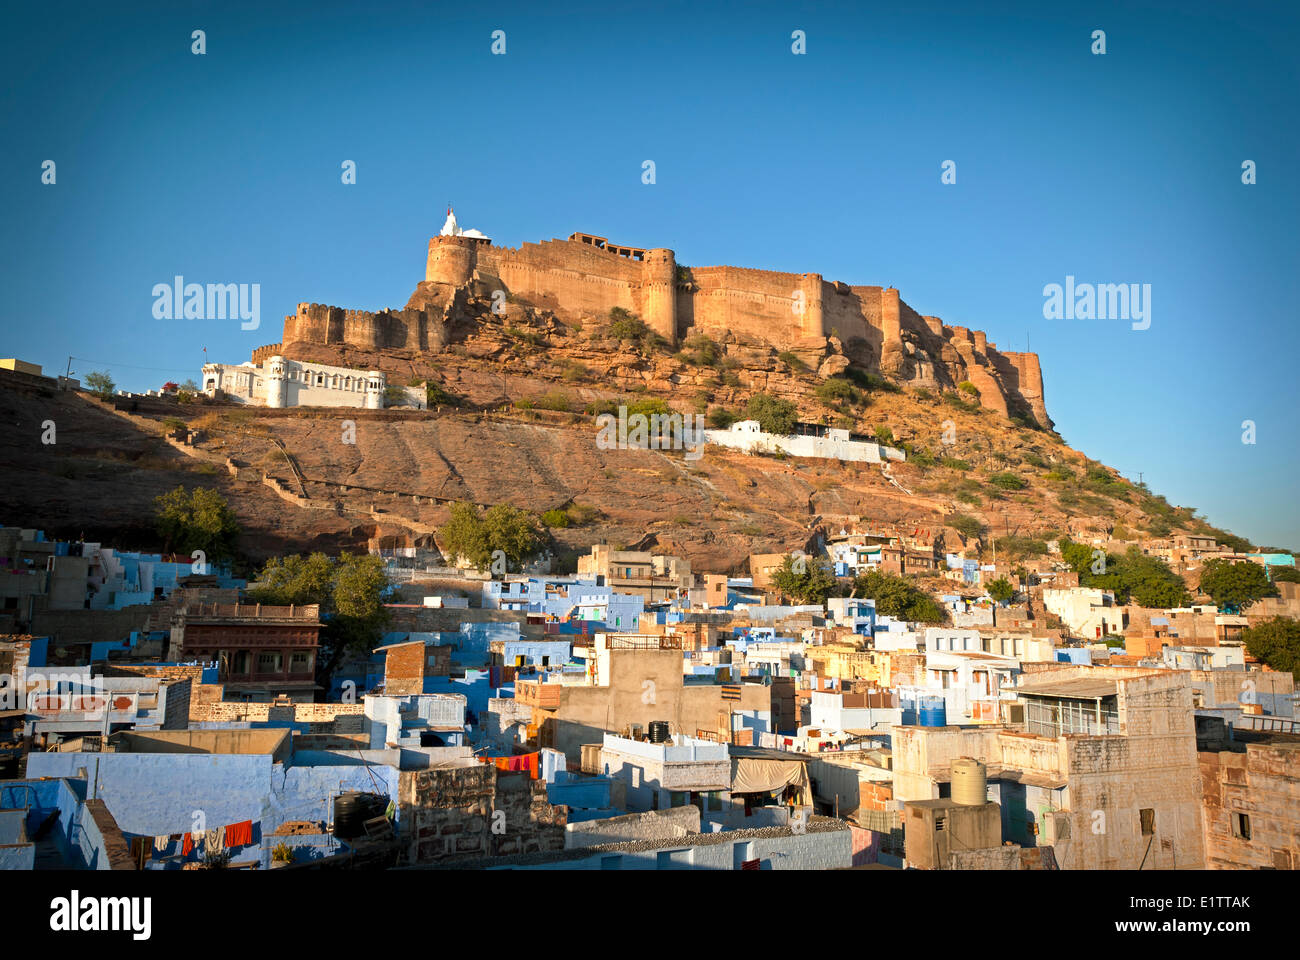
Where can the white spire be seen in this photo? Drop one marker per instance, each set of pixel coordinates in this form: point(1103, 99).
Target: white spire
point(451, 228)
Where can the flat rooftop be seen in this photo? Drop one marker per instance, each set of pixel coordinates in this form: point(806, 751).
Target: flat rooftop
point(1069, 689)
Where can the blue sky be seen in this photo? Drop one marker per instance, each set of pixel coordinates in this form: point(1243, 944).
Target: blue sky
point(1122, 168)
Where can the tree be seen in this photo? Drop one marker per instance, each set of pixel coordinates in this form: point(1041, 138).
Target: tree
point(966, 525)
point(896, 597)
point(1275, 642)
point(1146, 581)
point(1001, 590)
point(350, 591)
point(101, 383)
point(806, 580)
point(463, 535)
point(1150, 583)
point(1235, 585)
point(517, 533)
point(1285, 575)
point(197, 519)
point(1008, 481)
point(773, 414)
point(720, 418)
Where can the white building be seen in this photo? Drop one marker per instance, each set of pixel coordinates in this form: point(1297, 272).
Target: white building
point(745, 435)
point(1088, 611)
point(295, 383)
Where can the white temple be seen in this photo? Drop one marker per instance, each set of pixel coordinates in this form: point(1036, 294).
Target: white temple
point(452, 229)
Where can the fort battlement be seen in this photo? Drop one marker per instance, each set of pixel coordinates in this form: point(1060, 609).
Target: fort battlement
point(589, 275)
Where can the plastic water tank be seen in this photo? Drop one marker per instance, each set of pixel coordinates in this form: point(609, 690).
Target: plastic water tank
point(933, 712)
point(353, 809)
point(969, 782)
point(659, 731)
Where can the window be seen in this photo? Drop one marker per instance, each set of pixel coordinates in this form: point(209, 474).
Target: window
point(269, 662)
point(940, 824)
point(1241, 825)
point(300, 663)
point(1148, 818)
point(677, 798)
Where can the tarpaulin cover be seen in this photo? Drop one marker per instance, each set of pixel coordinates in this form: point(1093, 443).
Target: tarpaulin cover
point(754, 775)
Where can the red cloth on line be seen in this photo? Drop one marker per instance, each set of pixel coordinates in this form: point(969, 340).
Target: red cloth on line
point(187, 844)
point(239, 834)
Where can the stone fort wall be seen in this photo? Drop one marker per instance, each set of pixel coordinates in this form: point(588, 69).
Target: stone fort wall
point(572, 277)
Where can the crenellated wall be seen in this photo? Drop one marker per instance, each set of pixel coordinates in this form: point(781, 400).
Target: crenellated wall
point(879, 331)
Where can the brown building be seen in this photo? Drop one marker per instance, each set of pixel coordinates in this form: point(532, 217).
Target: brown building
point(763, 567)
point(1251, 799)
point(261, 651)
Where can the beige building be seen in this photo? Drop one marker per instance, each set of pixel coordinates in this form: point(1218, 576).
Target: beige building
point(1100, 764)
point(651, 576)
point(632, 683)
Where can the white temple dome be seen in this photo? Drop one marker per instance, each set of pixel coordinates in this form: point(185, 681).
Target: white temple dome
point(452, 229)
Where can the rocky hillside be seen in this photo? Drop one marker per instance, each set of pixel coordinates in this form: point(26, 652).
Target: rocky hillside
point(514, 424)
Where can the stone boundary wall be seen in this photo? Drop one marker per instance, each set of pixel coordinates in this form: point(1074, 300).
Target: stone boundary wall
point(345, 717)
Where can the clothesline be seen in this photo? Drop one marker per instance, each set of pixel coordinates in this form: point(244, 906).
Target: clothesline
point(231, 835)
point(519, 763)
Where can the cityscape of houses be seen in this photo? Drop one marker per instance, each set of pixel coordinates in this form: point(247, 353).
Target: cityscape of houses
point(640, 715)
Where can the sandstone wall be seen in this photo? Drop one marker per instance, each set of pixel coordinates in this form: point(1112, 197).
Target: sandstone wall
point(879, 330)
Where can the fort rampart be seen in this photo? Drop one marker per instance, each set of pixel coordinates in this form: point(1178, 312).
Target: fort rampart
point(587, 276)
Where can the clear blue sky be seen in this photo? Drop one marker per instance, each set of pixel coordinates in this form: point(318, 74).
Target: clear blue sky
point(1117, 168)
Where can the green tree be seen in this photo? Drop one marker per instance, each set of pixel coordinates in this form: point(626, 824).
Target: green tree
point(966, 525)
point(1285, 574)
point(101, 383)
point(350, 591)
point(463, 535)
point(1235, 585)
point(198, 519)
point(1146, 581)
point(837, 391)
point(1275, 642)
point(1150, 582)
point(896, 597)
point(805, 579)
point(720, 418)
point(1001, 590)
point(774, 415)
point(517, 533)
point(555, 519)
point(1008, 481)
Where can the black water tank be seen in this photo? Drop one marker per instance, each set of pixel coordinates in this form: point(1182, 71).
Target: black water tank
point(659, 731)
point(353, 809)
point(348, 818)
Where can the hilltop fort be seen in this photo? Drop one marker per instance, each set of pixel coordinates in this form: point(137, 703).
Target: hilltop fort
point(586, 275)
